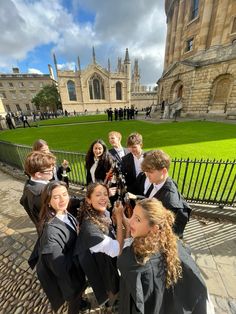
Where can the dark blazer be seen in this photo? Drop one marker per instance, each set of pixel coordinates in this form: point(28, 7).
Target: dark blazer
point(52, 256)
point(102, 168)
point(128, 170)
point(116, 156)
point(142, 287)
point(31, 199)
point(174, 201)
point(99, 268)
point(60, 174)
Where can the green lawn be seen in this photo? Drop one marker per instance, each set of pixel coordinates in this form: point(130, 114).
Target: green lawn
point(71, 119)
point(195, 139)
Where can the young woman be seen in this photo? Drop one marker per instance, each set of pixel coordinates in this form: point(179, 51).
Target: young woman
point(53, 253)
point(97, 162)
point(157, 273)
point(96, 246)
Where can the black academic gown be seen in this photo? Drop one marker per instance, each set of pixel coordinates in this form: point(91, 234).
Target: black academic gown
point(99, 268)
point(173, 200)
point(53, 257)
point(116, 156)
point(31, 199)
point(102, 168)
point(142, 287)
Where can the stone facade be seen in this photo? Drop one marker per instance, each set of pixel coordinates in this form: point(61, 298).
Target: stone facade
point(18, 89)
point(95, 89)
point(200, 58)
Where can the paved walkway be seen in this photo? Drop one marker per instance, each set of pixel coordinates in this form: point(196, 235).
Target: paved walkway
point(213, 245)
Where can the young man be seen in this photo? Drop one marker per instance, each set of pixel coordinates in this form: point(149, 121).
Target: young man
point(39, 167)
point(131, 164)
point(156, 165)
point(117, 151)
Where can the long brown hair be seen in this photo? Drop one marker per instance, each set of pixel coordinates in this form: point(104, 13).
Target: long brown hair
point(47, 212)
point(88, 212)
point(161, 239)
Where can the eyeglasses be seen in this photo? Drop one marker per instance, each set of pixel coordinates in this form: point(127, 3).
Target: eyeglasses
point(47, 171)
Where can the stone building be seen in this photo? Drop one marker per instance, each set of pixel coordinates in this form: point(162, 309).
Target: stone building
point(199, 77)
point(96, 88)
point(17, 89)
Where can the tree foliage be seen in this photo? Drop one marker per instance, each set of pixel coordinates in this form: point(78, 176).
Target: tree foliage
point(47, 98)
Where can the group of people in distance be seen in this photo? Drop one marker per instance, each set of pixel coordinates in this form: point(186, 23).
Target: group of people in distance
point(134, 265)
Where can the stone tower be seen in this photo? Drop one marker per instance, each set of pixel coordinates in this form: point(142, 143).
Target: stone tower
point(200, 57)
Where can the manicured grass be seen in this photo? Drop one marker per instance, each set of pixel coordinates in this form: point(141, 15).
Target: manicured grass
point(70, 119)
point(195, 139)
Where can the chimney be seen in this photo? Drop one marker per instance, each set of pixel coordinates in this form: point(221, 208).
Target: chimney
point(16, 70)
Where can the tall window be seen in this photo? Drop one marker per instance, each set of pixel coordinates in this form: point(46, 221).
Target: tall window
point(234, 26)
point(189, 45)
point(71, 90)
point(18, 108)
point(96, 87)
point(194, 9)
point(27, 106)
point(3, 95)
point(118, 91)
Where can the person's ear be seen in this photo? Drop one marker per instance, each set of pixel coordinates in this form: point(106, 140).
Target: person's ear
point(165, 171)
point(37, 175)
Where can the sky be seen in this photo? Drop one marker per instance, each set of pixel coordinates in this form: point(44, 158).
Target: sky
point(32, 30)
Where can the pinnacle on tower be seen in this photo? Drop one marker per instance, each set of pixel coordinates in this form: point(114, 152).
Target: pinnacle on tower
point(55, 62)
point(78, 60)
point(94, 57)
point(109, 65)
point(127, 56)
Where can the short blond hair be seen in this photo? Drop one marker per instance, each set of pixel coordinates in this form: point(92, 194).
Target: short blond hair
point(115, 133)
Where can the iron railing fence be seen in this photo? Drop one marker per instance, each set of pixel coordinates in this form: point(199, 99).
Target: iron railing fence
point(200, 181)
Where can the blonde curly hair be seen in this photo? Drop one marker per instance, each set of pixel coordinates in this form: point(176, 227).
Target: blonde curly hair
point(160, 239)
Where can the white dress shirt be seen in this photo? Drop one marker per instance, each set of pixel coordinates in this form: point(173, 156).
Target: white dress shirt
point(156, 188)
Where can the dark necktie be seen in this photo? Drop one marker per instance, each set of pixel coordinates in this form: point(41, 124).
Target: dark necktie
point(149, 191)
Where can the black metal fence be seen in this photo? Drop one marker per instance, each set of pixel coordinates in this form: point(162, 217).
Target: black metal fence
point(200, 181)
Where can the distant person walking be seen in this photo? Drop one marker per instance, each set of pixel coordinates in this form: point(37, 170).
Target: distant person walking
point(24, 119)
point(9, 121)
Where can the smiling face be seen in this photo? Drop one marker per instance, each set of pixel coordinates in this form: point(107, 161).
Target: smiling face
point(98, 150)
point(60, 199)
point(114, 141)
point(139, 224)
point(99, 198)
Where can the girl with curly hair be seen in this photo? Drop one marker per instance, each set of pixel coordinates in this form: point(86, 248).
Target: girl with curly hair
point(97, 245)
point(157, 273)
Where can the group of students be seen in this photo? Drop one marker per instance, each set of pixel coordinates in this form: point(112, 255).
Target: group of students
point(138, 265)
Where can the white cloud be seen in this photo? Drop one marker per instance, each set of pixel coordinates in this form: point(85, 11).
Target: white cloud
point(66, 66)
point(34, 71)
point(136, 24)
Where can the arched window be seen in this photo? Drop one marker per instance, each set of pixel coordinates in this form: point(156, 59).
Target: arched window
point(71, 90)
point(118, 91)
point(96, 87)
